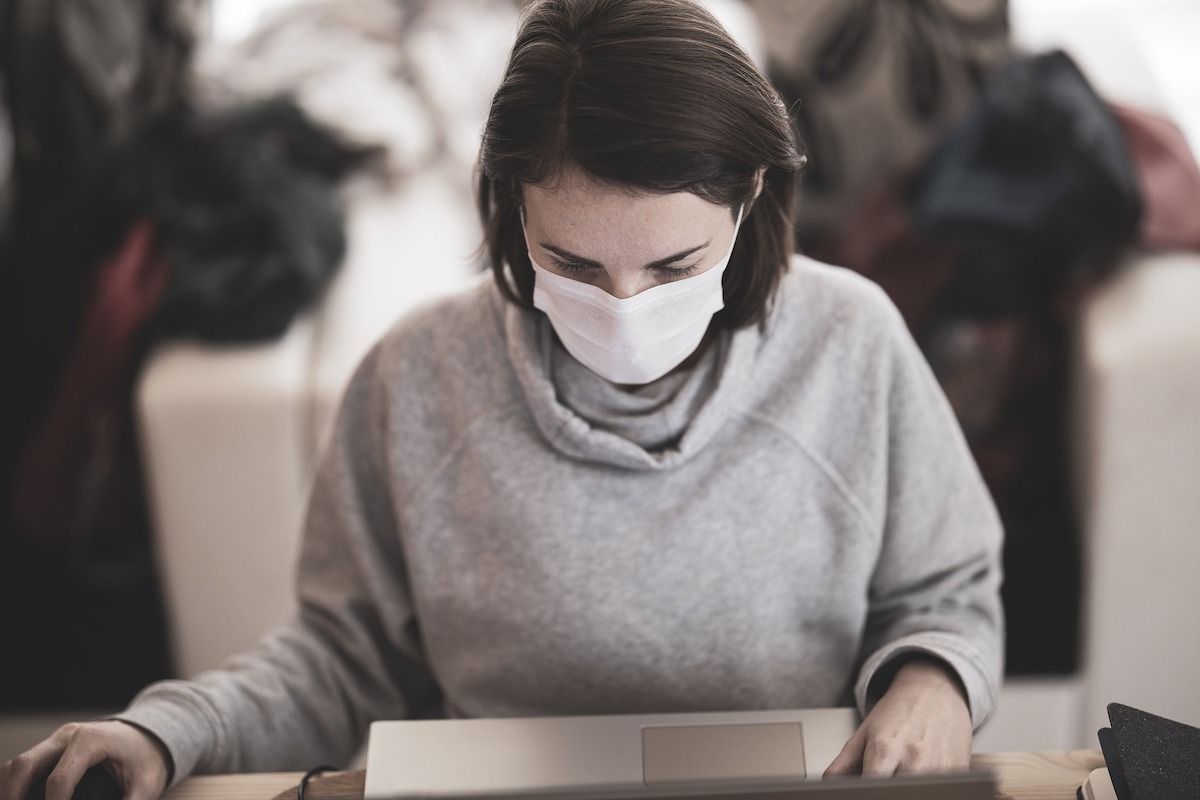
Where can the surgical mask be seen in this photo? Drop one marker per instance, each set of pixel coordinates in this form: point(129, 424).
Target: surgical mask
point(631, 340)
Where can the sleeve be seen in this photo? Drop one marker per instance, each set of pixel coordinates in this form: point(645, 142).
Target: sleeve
point(306, 694)
point(935, 589)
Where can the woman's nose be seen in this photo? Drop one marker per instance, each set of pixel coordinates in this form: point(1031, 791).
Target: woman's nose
point(623, 286)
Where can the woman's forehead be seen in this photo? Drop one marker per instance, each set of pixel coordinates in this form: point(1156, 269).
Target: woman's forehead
point(576, 208)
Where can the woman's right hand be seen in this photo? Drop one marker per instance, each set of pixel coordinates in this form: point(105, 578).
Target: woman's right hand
point(140, 762)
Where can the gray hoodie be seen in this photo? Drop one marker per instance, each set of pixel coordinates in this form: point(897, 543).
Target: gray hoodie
point(497, 531)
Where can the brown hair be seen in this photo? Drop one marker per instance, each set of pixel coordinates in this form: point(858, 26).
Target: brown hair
point(651, 95)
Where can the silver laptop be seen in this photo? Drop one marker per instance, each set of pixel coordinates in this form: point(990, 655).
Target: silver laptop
point(751, 755)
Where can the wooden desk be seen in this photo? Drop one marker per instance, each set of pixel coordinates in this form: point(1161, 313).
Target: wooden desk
point(1022, 776)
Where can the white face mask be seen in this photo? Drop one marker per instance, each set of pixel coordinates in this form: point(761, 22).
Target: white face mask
point(636, 339)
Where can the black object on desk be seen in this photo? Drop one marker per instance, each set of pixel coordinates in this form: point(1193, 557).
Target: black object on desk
point(1150, 757)
point(96, 784)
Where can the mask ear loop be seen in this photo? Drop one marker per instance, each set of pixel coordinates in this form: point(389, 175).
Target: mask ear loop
point(524, 232)
point(509, 276)
point(737, 227)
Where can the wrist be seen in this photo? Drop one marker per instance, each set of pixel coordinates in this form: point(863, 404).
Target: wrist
point(921, 670)
point(164, 753)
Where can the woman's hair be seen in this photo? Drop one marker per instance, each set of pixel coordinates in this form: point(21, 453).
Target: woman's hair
point(648, 95)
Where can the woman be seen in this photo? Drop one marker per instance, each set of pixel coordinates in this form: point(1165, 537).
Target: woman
point(654, 463)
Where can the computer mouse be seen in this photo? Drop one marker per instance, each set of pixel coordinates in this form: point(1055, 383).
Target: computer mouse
point(96, 784)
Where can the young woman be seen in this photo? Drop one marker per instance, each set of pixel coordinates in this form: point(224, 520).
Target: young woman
point(655, 462)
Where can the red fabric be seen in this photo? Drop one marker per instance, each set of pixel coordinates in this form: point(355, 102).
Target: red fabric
point(74, 474)
point(1168, 177)
point(880, 242)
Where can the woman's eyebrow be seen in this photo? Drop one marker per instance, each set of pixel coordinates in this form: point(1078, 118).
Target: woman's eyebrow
point(567, 255)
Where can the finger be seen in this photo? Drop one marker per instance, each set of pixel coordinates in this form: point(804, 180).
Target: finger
point(849, 760)
point(934, 759)
point(19, 773)
point(81, 754)
point(881, 757)
point(918, 759)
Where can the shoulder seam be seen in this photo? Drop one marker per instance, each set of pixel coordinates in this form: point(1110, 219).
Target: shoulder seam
point(825, 468)
point(455, 450)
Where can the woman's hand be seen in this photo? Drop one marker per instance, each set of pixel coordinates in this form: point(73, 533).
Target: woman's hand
point(141, 764)
point(921, 724)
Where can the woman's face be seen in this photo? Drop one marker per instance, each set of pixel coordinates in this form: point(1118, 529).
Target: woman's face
point(620, 242)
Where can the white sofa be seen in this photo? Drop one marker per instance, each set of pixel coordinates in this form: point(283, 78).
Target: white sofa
point(230, 435)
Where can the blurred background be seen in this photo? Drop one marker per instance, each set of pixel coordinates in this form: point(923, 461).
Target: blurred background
point(210, 210)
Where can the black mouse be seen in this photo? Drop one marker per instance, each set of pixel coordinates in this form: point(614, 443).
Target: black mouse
point(96, 784)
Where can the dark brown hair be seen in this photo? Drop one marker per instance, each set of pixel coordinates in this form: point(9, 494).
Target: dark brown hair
point(650, 95)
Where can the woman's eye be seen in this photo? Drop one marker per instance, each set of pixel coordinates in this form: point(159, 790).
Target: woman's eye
point(567, 266)
point(670, 273)
point(677, 272)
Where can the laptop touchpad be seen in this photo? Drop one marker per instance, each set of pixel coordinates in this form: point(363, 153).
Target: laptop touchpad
point(765, 751)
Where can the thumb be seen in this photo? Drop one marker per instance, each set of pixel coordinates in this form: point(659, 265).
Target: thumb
point(849, 760)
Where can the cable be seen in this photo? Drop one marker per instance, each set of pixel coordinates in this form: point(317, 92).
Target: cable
point(311, 773)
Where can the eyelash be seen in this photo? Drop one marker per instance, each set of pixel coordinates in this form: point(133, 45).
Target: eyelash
point(672, 272)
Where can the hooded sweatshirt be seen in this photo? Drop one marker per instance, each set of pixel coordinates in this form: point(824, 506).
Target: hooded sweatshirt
point(496, 531)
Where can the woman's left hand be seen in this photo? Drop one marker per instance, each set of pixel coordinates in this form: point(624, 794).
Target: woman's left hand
point(921, 724)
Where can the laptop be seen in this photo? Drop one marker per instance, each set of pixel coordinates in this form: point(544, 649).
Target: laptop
point(747, 755)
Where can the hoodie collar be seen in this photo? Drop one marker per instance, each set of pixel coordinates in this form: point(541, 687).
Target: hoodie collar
point(656, 426)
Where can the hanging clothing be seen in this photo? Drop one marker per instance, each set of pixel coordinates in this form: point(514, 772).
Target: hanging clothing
point(1168, 177)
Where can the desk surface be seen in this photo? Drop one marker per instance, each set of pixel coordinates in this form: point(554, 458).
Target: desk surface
point(1022, 776)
